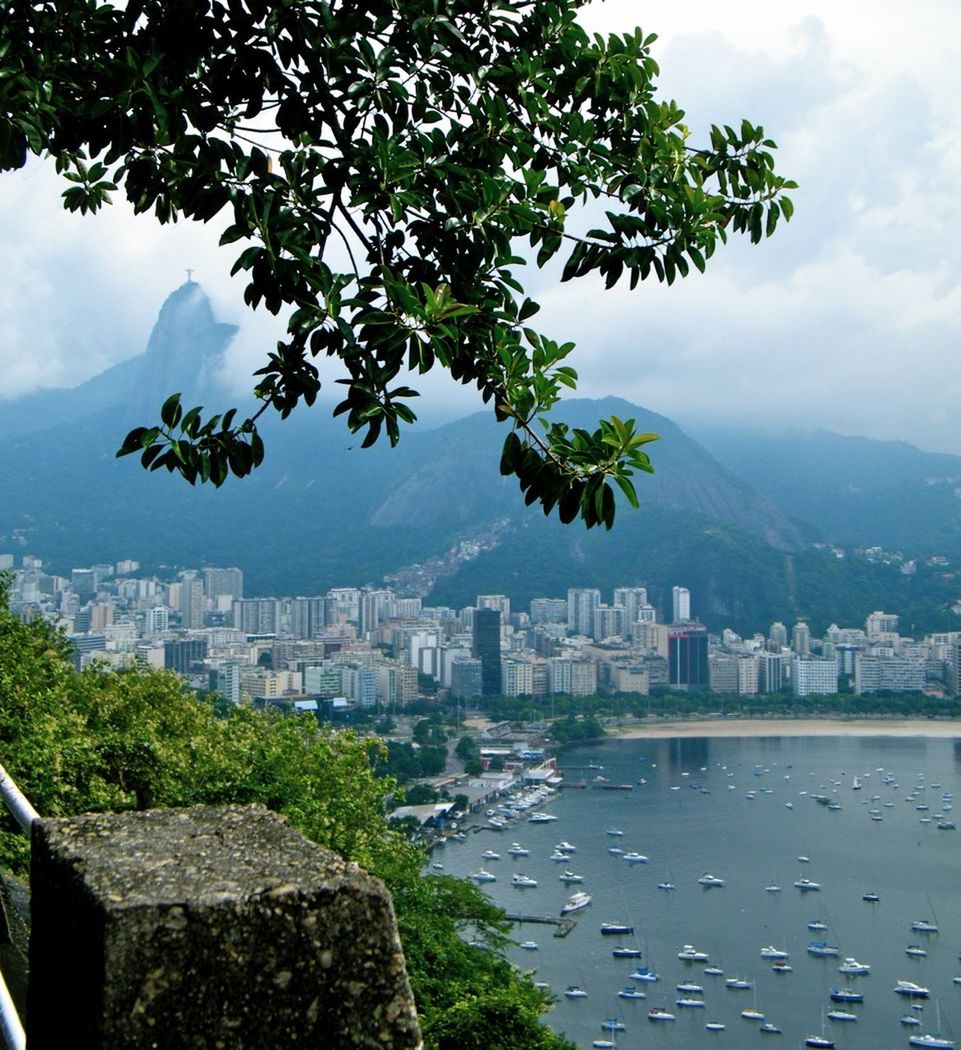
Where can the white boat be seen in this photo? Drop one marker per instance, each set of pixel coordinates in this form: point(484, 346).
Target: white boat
point(933, 1039)
point(482, 876)
point(497, 823)
point(911, 1020)
point(660, 1013)
point(541, 818)
point(852, 966)
point(688, 1002)
point(559, 857)
point(715, 1026)
point(782, 967)
point(610, 928)
point(771, 1029)
point(604, 1044)
point(489, 854)
point(611, 1024)
point(909, 988)
point(573, 991)
point(841, 1015)
point(707, 879)
point(631, 993)
point(569, 876)
point(822, 949)
point(665, 886)
point(689, 988)
point(691, 954)
point(565, 847)
point(915, 950)
point(616, 832)
point(924, 926)
point(523, 881)
point(575, 902)
point(635, 858)
point(616, 850)
point(437, 866)
point(816, 924)
point(773, 888)
point(713, 971)
point(770, 952)
point(738, 984)
point(804, 884)
point(621, 952)
point(642, 973)
point(517, 850)
point(529, 946)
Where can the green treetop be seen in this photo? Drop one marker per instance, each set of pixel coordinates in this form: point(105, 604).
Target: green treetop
point(386, 170)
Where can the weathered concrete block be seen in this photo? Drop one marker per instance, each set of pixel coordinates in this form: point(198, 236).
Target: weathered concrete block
point(213, 927)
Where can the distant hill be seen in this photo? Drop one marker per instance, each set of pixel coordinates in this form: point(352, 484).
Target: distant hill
point(853, 491)
point(322, 512)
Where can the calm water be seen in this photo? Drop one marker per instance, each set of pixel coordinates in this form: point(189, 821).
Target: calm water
point(686, 830)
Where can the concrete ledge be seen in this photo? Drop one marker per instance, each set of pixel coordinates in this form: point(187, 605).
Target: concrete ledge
point(210, 927)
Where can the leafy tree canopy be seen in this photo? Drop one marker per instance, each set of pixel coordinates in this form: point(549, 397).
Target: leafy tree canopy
point(386, 170)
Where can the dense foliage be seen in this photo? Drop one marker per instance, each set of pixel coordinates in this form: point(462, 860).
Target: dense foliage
point(383, 166)
point(95, 740)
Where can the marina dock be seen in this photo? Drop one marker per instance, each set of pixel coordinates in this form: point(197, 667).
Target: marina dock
point(564, 925)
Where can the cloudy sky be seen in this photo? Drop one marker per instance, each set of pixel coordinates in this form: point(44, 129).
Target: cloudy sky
point(849, 318)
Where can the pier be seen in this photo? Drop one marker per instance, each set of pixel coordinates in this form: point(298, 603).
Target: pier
point(564, 925)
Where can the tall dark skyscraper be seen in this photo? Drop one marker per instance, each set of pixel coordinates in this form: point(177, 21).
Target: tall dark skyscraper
point(684, 645)
point(487, 649)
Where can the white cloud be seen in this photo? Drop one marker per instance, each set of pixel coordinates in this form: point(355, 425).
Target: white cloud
point(849, 317)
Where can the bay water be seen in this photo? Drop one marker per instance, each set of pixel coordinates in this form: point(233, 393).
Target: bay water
point(743, 809)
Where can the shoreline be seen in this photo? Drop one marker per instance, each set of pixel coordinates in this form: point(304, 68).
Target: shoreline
point(757, 727)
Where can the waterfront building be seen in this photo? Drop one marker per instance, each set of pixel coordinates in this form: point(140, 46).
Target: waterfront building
point(813, 676)
point(684, 647)
point(896, 674)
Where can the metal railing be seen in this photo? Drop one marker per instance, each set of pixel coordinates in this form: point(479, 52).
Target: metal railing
point(11, 1027)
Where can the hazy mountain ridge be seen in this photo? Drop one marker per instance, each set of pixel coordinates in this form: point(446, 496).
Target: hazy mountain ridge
point(854, 491)
point(323, 512)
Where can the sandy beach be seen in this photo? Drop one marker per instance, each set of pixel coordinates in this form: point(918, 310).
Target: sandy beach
point(729, 727)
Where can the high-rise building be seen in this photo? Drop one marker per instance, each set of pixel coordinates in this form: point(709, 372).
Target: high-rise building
point(517, 678)
point(581, 603)
point(465, 678)
point(777, 635)
point(896, 674)
point(813, 676)
point(156, 620)
point(182, 656)
point(487, 648)
point(500, 602)
point(684, 646)
point(305, 616)
point(681, 604)
point(192, 601)
point(879, 624)
point(801, 639)
point(630, 599)
point(609, 622)
point(770, 672)
point(257, 615)
point(548, 610)
point(223, 582)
